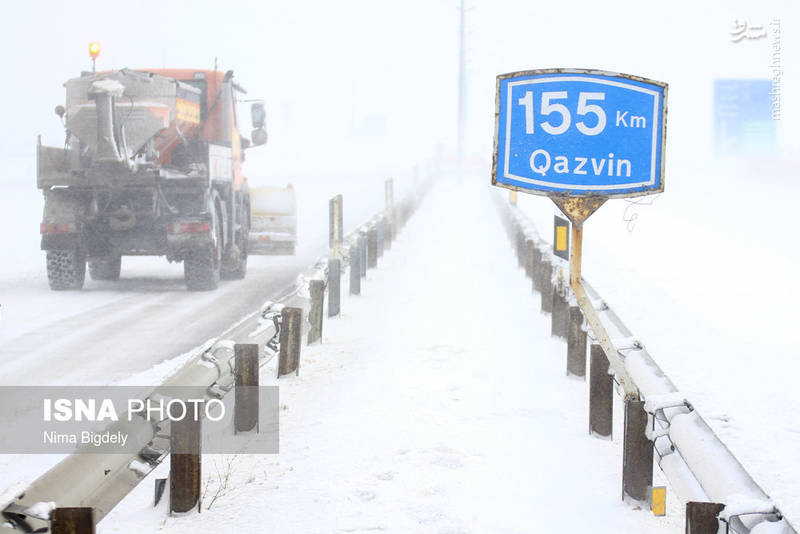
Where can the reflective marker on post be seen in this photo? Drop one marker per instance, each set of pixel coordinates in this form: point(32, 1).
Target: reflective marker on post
point(561, 237)
point(658, 501)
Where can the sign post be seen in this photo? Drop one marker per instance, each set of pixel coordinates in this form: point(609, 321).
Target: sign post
point(581, 137)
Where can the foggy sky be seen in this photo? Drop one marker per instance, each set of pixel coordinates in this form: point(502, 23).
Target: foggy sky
point(372, 84)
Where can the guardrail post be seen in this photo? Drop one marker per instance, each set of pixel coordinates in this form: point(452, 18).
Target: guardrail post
point(159, 486)
point(529, 246)
point(536, 270)
point(390, 213)
point(546, 280)
point(291, 329)
point(380, 228)
point(701, 517)
point(334, 286)
point(559, 322)
point(336, 226)
point(405, 214)
point(387, 233)
point(601, 394)
point(637, 454)
point(372, 252)
point(514, 238)
point(362, 247)
point(576, 343)
point(245, 405)
point(184, 463)
point(72, 521)
point(355, 270)
point(316, 289)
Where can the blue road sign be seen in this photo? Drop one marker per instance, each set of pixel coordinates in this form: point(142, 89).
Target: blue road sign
point(579, 133)
point(744, 122)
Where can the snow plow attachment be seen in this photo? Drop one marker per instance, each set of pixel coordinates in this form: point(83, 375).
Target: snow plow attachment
point(273, 221)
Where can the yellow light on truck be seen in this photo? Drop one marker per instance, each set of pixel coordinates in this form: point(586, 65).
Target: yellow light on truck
point(94, 50)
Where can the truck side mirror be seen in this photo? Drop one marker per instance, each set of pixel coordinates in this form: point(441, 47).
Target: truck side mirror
point(258, 115)
point(60, 111)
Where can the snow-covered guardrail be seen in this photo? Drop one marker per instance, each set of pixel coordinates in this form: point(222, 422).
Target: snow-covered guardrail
point(696, 462)
point(96, 483)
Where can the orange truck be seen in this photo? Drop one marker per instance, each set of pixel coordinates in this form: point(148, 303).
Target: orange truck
point(151, 165)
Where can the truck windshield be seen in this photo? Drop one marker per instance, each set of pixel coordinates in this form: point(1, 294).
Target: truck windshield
point(200, 84)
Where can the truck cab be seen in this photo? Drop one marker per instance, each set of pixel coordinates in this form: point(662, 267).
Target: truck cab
point(152, 165)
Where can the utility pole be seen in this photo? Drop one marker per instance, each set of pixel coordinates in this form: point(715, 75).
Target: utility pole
point(462, 89)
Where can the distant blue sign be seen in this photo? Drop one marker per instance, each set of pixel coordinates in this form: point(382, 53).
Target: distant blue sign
point(744, 124)
point(579, 133)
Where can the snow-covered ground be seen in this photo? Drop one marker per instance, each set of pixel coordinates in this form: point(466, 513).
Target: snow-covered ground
point(706, 279)
point(436, 403)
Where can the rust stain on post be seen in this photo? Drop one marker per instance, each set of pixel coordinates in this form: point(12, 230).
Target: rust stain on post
point(316, 288)
point(245, 415)
point(637, 453)
point(291, 329)
point(184, 467)
point(578, 209)
point(701, 517)
point(72, 521)
point(601, 391)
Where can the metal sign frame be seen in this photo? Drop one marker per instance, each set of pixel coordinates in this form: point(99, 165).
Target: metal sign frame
point(654, 182)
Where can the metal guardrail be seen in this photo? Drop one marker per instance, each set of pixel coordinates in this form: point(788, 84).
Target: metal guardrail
point(101, 481)
point(695, 461)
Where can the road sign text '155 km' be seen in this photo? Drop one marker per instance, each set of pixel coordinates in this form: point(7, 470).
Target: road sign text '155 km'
point(579, 133)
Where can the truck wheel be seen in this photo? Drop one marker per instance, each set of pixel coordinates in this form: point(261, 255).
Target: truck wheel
point(66, 269)
point(201, 270)
point(235, 268)
point(105, 268)
point(234, 264)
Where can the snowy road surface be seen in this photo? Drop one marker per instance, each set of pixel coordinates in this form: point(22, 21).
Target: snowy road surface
point(436, 403)
point(142, 320)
